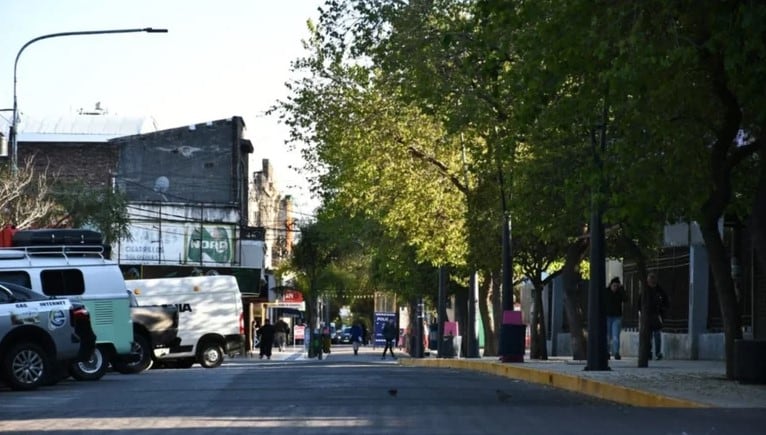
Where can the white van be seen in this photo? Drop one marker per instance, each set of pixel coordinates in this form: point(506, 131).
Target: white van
point(210, 317)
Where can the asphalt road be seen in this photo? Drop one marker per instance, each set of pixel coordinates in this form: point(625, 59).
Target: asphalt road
point(343, 394)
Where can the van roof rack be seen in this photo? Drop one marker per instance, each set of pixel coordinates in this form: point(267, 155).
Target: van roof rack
point(64, 251)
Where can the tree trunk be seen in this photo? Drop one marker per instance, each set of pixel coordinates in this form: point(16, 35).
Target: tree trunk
point(311, 312)
point(723, 158)
point(538, 348)
point(486, 286)
point(724, 284)
point(644, 330)
point(644, 333)
point(570, 275)
point(757, 227)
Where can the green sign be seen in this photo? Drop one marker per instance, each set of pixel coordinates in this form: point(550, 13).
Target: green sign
point(210, 246)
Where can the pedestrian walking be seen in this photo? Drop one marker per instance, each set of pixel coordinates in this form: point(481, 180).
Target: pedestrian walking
point(266, 336)
point(614, 297)
point(404, 338)
point(657, 310)
point(256, 341)
point(280, 335)
point(356, 337)
point(389, 334)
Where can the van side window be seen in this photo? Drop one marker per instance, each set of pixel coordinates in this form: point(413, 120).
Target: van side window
point(16, 277)
point(62, 282)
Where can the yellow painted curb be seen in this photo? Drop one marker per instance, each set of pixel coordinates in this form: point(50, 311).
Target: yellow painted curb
point(590, 387)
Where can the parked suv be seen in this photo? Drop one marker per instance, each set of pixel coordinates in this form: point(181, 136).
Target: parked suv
point(38, 335)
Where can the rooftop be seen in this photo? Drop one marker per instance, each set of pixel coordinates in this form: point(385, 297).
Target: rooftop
point(83, 127)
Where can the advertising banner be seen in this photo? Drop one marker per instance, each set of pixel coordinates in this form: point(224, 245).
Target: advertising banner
point(179, 243)
point(380, 320)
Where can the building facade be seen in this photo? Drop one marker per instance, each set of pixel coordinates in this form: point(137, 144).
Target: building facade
point(187, 187)
point(273, 212)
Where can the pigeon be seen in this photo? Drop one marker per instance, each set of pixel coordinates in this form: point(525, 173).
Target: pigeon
point(392, 392)
point(502, 396)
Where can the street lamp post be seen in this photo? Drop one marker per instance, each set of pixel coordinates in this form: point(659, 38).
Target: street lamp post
point(598, 358)
point(15, 120)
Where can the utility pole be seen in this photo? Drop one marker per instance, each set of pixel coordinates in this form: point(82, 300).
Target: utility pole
point(472, 334)
point(472, 341)
point(596, 352)
point(442, 307)
point(417, 331)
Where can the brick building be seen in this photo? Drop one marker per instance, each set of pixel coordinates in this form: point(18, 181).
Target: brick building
point(188, 187)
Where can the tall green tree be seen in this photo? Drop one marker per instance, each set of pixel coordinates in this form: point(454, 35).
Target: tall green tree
point(425, 53)
point(672, 87)
point(678, 80)
point(310, 265)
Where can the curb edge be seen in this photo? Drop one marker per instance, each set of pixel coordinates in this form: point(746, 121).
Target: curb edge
point(577, 384)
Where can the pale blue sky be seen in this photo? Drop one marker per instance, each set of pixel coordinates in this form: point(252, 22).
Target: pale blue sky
point(220, 58)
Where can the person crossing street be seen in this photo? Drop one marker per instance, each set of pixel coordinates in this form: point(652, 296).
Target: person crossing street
point(389, 334)
point(266, 335)
point(356, 337)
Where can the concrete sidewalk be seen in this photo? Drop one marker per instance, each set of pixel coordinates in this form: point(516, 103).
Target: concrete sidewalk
point(665, 383)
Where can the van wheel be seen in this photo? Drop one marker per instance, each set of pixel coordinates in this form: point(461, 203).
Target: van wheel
point(210, 355)
point(26, 366)
point(143, 348)
point(92, 369)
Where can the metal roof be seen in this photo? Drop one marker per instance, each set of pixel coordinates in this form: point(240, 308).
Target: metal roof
point(79, 128)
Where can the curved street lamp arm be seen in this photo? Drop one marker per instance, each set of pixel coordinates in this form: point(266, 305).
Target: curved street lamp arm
point(54, 35)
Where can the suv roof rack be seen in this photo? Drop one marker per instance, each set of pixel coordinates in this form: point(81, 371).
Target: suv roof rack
point(63, 251)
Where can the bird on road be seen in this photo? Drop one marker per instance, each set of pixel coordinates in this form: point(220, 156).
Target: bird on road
point(502, 396)
point(392, 392)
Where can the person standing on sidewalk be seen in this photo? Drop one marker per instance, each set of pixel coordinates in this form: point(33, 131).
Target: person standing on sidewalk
point(389, 334)
point(256, 341)
point(266, 334)
point(365, 340)
point(281, 329)
point(356, 337)
point(658, 305)
point(613, 300)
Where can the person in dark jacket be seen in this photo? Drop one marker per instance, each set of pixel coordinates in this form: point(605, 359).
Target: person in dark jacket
point(656, 313)
point(389, 334)
point(266, 335)
point(282, 329)
point(356, 337)
point(614, 297)
point(365, 336)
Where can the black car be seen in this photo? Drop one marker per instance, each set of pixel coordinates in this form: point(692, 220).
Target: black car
point(345, 336)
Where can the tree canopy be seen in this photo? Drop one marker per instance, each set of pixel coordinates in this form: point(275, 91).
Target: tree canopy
point(435, 117)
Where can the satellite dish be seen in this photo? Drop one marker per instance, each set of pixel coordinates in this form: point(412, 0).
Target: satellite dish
point(161, 184)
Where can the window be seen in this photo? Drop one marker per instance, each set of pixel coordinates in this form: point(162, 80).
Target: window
point(62, 282)
point(19, 277)
point(5, 296)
